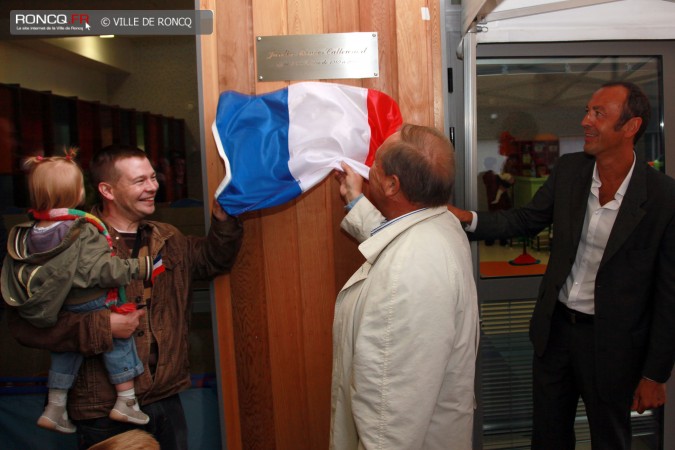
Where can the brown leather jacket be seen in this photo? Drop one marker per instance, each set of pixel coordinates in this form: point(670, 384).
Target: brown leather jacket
point(185, 258)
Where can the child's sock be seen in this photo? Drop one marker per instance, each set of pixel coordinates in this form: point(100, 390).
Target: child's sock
point(58, 396)
point(129, 394)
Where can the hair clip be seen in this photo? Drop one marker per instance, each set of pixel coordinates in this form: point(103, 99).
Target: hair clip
point(70, 153)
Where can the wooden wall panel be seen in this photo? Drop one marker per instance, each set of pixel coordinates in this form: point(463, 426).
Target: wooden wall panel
point(314, 212)
point(240, 308)
point(341, 16)
point(317, 289)
point(279, 245)
point(253, 366)
point(380, 16)
point(282, 282)
point(414, 73)
point(274, 312)
point(437, 91)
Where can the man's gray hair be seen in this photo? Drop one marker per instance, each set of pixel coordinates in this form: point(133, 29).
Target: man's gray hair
point(424, 162)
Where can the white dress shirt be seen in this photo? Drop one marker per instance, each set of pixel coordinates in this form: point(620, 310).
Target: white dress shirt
point(579, 289)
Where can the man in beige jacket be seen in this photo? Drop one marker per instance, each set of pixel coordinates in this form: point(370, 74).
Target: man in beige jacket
point(405, 334)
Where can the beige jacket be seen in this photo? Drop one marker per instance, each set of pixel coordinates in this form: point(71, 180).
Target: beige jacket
point(405, 336)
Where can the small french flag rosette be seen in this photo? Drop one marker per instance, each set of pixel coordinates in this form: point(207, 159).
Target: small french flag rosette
point(157, 267)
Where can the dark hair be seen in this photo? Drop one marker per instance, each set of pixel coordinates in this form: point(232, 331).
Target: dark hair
point(636, 105)
point(424, 162)
point(102, 166)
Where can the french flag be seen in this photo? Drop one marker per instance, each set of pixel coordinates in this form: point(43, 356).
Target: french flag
point(278, 145)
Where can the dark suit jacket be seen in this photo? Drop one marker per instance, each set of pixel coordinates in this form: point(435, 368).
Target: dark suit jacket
point(635, 284)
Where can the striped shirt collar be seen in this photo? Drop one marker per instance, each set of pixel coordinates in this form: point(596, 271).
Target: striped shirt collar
point(386, 223)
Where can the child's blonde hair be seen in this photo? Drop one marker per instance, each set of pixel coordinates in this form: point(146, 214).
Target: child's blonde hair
point(54, 181)
point(129, 440)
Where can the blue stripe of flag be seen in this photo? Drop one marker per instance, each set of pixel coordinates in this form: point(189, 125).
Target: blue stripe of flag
point(254, 135)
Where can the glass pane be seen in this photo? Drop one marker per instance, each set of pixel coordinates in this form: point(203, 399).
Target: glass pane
point(89, 106)
point(529, 113)
point(506, 376)
point(61, 123)
point(106, 122)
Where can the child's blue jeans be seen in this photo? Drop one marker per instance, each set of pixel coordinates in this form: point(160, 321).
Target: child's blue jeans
point(122, 362)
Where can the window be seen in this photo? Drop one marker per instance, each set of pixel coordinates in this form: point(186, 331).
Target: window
point(529, 113)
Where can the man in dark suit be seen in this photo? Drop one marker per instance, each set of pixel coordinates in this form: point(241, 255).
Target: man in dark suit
point(603, 327)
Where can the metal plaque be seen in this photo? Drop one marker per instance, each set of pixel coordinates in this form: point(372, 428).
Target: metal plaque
point(317, 56)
